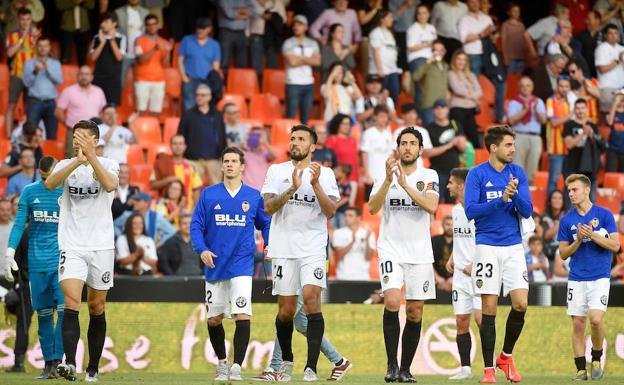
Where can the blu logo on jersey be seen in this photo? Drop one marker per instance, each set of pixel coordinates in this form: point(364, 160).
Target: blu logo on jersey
point(304, 198)
point(84, 191)
point(395, 202)
point(491, 195)
point(45, 216)
point(230, 220)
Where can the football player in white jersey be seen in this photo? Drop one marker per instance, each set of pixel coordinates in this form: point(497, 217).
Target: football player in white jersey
point(465, 301)
point(87, 241)
point(301, 196)
point(408, 196)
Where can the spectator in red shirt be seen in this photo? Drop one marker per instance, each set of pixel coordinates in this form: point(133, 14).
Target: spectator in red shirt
point(344, 145)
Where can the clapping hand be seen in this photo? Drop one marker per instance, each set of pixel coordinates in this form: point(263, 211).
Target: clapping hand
point(315, 168)
point(511, 189)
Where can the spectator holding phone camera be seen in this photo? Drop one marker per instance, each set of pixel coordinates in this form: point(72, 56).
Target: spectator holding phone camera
point(340, 92)
point(259, 153)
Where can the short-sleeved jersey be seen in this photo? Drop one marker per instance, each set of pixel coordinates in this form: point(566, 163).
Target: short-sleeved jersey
point(86, 219)
point(299, 228)
point(590, 261)
point(41, 206)
point(224, 224)
point(464, 246)
point(404, 233)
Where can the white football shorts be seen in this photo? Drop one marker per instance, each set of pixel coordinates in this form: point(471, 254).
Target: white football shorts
point(418, 279)
point(291, 275)
point(583, 296)
point(229, 296)
point(95, 268)
point(499, 265)
point(464, 298)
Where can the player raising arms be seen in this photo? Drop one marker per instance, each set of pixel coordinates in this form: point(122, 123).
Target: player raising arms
point(222, 233)
point(301, 196)
point(41, 207)
point(465, 301)
point(496, 195)
point(587, 234)
point(86, 240)
point(408, 195)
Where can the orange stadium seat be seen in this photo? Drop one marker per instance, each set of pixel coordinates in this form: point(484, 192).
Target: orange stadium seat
point(148, 130)
point(488, 89)
point(481, 155)
point(486, 117)
point(265, 107)
point(4, 87)
point(152, 151)
point(541, 179)
point(3, 186)
point(538, 197)
point(614, 180)
point(135, 155)
point(242, 81)
point(5, 148)
point(70, 76)
point(512, 86)
point(237, 99)
point(53, 148)
point(140, 173)
point(171, 128)
point(280, 136)
point(443, 210)
point(274, 82)
point(611, 199)
point(173, 82)
point(61, 132)
point(436, 228)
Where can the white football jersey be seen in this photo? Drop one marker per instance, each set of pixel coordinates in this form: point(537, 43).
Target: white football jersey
point(404, 233)
point(86, 219)
point(299, 228)
point(464, 245)
point(353, 265)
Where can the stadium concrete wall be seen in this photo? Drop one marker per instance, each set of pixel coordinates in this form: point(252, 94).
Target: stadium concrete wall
point(172, 337)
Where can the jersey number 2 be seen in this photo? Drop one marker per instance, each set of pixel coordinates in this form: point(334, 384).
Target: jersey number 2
point(488, 267)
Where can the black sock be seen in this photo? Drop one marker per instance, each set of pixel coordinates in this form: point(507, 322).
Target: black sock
point(515, 322)
point(71, 335)
point(284, 337)
point(596, 355)
point(409, 343)
point(464, 343)
point(391, 331)
point(217, 339)
point(488, 339)
point(241, 340)
point(314, 334)
point(581, 363)
point(95, 339)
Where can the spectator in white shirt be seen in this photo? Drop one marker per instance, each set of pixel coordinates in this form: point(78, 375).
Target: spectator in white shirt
point(420, 38)
point(340, 92)
point(609, 64)
point(543, 30)
point(445, 17)
point(474, 26)
point(375, 95)
point(383, 55)
point(235, 130)
point(116, 137)
point(409, 113)
point(136, 252)
point(300, 54)
point(375, 148)
point(353, 247)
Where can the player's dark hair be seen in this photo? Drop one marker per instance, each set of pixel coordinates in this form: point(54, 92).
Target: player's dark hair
point(334, 124)
point(496, 134)
point(460, 173)
point(87, 125)
point(578, 177)
point(234, 150)
point(447, 217)
point(356, 210)
point(608, 27)
point(413, 131)
point(24, 11)
point(46, 163)
point(109, 16)
point(150, 17)
point(381, 108)
point(132, 246)
point(580, 101)
point(535, 238)
point(303, 127)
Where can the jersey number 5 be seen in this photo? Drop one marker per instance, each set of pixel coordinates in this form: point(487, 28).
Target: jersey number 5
point(62, 261)
point(488, 267)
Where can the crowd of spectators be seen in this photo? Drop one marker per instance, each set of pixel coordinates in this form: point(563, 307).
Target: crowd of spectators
point(357, 71)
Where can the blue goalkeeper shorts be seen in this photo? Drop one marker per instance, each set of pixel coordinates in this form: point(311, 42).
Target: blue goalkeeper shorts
point(45, 290)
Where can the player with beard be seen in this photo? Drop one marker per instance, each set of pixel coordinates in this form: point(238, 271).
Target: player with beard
point(496, 196)
point(301, 196)
point(408, 196)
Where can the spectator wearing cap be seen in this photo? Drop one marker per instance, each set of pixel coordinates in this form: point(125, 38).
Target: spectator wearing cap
point(339, 14)
point(409, 113)
point(589, 38)
point(157, 227)
point(433, 79)
point(108, 51)
point(204, 132)
point(234, 16)
point(152, 54)
point(75, 28)
point(266, 29)
point(609, 59)
point(526, 114)
point(546, 74)
point(301, 54)
point(176, 256)
point(445, 18)
point(420, 38)
point(130, 20)
point(375, 95)
point(375, 148)
point(558, 112)
point(26, 176)
point(197, 56)
point(116, 138)
point(383, 55)
point(41, 76)
point(123, 191)
point(32, 141)
point(448, 142)
point(80, 101)
point(543, 30)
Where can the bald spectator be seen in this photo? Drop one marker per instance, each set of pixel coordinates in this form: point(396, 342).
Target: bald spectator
point(81, 100)
point(543, 30)
point(340, 14)
point(545, 75)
